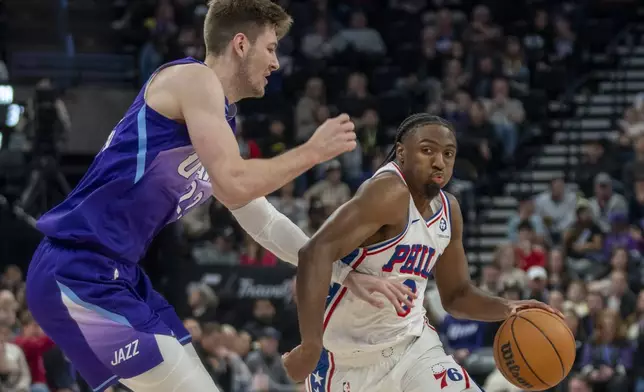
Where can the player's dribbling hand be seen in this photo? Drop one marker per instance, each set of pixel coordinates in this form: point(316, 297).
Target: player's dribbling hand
point(334, 137)
point(518, 306)
point(364, 286)
point(301, 361)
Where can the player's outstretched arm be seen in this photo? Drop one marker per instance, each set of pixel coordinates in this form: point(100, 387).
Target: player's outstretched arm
point(459, 296)
point(380, 202)
point(237, 181)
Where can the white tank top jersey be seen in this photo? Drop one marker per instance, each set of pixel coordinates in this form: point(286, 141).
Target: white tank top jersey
point(350, 325)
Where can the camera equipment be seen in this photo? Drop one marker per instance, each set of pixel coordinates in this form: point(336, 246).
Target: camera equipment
point(46, 181)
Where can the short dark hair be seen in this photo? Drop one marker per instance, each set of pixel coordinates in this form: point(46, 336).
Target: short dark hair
point(226, 18)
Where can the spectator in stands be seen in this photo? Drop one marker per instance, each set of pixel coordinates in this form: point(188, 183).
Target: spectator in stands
point(515, 66)
point(263, 316)
point(203, 302)
point(484, 76)
point(506, 259)
point(608, 357)
point(481, 36)
point(12, 279)
point(477, 140)
point(557, 208)
point(636, 208)
point(371, 134)
point(228, 371)
point(596, 305)
point(359, 37)
point(8, 309)
point(639, 360)
point(276, 142)
point(529, 253)
point(622, 235)
point(583, 242)
point(565, 48)
point(636, 320)
point(266, 363)
point(633, 170)
point(306, 110)
point(218, 251)
point(357, 98)
point(254, 254)
point(454, 78)
point(579, 383)
point(594, 161)
point(526, 212)
point(506, 114)
point(620, 260)
point(557, 274)
point(316, 217)
point(248, 148)
point(556, 300)
point(632, 125)
point(538, 41)
point(620, 297)
point(316, 45)
point(331, 191)
point(490, 282)
point(446, 31)
point(606, 203)
point(576, 296)
point(574, 323)
point(430, 66)
point(537, 284)
point(295, 208)
point(14, 371)
point(34, 344)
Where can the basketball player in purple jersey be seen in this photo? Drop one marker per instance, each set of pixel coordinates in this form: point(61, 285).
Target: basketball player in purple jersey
point(172, 150)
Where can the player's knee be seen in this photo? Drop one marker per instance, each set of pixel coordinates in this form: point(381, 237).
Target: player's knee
point(181, 370)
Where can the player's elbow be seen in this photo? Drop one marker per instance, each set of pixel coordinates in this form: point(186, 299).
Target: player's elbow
point(232, 189)
point(452, 302)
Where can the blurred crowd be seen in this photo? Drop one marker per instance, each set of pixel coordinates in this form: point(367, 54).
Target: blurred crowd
point(488, 68)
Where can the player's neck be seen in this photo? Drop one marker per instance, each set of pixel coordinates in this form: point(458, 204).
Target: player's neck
point(226, 74)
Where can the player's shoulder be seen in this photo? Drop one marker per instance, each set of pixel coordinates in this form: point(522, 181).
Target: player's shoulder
point(452, 200)
point(385, 193)
point(190, 77)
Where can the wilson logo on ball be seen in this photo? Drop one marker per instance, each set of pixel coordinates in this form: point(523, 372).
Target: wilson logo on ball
point(508, 357)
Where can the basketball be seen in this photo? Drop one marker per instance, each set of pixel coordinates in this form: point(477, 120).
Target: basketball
point(534, 350)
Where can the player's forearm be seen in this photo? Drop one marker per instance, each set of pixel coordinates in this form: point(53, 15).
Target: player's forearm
point(275, 232)
point(312, 287)
point(260, 177)
point(473, 303)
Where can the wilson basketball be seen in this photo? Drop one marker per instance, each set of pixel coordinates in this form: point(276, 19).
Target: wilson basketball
point(534, 350)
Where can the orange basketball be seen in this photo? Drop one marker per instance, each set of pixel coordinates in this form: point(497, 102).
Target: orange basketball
point(534, 350)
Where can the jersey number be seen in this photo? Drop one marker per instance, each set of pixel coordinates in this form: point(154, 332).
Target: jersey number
point(186, 169)
point(412, 285)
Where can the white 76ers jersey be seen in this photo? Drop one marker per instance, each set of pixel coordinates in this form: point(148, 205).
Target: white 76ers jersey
point(351, 325)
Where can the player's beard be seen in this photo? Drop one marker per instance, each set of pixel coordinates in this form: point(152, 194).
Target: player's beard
point(432, 190)
point(250, 87)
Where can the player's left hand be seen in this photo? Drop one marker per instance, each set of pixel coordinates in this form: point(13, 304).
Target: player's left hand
point(364, 286)
point(518, 306)
point(301, 361)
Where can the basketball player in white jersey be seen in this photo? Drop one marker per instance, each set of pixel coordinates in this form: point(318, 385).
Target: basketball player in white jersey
point(400, 226)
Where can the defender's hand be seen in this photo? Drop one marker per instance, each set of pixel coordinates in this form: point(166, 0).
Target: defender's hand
point(364, 286)
point(302, 361)
point(334, 137)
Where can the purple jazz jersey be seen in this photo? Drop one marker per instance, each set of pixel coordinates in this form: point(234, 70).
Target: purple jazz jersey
point(84, 286)
point(146, 176)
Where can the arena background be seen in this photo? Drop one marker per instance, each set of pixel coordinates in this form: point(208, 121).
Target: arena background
point(547, 98)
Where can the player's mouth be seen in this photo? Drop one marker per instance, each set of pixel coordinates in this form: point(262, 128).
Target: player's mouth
point(438, 178)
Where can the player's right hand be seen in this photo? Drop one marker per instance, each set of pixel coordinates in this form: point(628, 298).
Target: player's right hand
point(364, 286)
point(334, 137)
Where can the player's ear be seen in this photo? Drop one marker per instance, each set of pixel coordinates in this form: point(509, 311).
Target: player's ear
point(240, 44)
point(400, 152)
